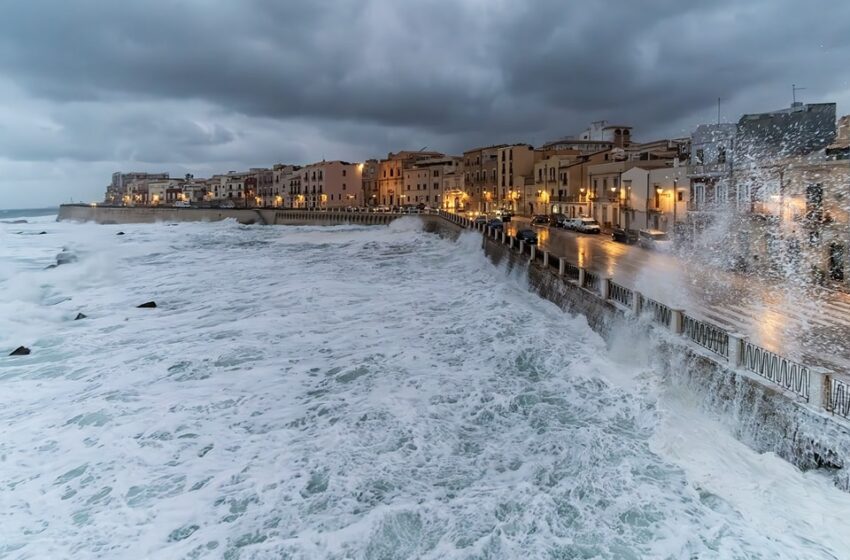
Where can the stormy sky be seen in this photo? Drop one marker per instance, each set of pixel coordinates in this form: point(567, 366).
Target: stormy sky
point(202, 86)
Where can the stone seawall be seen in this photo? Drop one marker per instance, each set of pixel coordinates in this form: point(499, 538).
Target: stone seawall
point(264, 216)
point(153, 214)
point(759, 415)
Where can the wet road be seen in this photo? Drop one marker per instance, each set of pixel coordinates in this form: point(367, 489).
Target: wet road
point(811, 326)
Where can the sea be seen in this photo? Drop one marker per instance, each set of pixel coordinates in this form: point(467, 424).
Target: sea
point(352, 392)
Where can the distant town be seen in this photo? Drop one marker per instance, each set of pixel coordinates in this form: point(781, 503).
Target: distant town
point(779, 181)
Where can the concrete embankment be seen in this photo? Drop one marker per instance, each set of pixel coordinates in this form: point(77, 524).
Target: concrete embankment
point(265, 216)
point(763, 415)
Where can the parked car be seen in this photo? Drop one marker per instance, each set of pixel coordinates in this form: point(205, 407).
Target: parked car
point(540, 220)
point(505, 215)
point(481, 220)
point(586, 225)
point(624, 235)
point(496, 224)
point(655, 240)
point(558, 220)
point(182, 204)
point(527, 235)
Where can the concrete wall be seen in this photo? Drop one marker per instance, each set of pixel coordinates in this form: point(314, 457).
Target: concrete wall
point(759, 415)
point(147, 215)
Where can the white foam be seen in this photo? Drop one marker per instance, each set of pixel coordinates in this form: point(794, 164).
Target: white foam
point(346, 392)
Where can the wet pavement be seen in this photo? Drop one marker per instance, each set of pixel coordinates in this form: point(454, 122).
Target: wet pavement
point(807, 325)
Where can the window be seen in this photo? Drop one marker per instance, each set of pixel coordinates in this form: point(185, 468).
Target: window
point(700, 156)
point(680, 196)
point(343, 186)
point(721, 154)
point(343, 172)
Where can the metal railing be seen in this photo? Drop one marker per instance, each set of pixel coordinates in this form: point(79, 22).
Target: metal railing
point(571, 271)
point(659, 312)
point(591, 281)
point(707, 335)
point(838, 398)
point(620, 294)
point(773, 367)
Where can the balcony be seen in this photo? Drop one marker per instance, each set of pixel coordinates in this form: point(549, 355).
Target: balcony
point(710, 169)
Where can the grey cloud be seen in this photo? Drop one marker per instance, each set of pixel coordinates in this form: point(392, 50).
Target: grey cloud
point(169, 83)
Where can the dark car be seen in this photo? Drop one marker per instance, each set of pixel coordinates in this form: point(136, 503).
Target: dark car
point(496, 224)
point(540, 220)
point(624, 235)
point(558, 220)
point(527, 235)
point(481, 220)
point(505, 215)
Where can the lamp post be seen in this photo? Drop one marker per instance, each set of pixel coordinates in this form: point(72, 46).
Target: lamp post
point(675, 201)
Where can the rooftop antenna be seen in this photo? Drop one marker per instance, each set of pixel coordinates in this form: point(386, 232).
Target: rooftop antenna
point(794, 90)
point(423, 148)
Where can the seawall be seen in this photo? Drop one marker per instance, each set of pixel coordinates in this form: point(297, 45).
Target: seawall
point(265, 216)
point(763, 415)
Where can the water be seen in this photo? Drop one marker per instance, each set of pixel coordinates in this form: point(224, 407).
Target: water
point(351, 392)
point(23, 214)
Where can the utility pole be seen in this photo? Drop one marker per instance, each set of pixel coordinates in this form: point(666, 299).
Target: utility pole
point(794, 90)
point(718, 110)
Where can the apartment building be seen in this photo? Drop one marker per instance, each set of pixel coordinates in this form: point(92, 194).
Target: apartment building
point(328, 184)
point(480, 168)
point(391, 174)
point(424, 181)
point(514, 170)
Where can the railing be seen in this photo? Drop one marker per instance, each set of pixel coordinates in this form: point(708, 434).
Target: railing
point(707, 335)
point(773, 367)
point(659, 312)
point(838, 399)
point(591, 281)
point(571, 271)
point(620, 294)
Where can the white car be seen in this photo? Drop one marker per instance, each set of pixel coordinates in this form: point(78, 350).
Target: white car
point(181, 204)
point(655, 240)
point(586, 225)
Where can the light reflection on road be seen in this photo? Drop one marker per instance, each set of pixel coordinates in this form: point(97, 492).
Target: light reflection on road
point(787, 319)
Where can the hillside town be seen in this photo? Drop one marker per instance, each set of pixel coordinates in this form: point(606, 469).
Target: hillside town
point(777, 184)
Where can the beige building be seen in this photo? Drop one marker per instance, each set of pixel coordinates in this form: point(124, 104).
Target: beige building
point(391, 175)
point(480, 168)
point(424, 181)
point(328, 184)
point(371, 191)
point(514, 170)
point(653, 198)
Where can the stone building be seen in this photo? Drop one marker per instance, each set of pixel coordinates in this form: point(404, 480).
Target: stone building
point(391, 174)
point(328, 184)
point(480, 168)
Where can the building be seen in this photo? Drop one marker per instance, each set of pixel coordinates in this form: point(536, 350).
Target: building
point(391, 174)
point(480, 177)
point(125, 186)
point(371, 190)
point(550, 181)
point(423, 182)
point(328, 184)
point(514, 170)
point(619, 136)
point(653, 198)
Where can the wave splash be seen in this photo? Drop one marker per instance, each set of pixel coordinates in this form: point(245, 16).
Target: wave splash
point(366, 392)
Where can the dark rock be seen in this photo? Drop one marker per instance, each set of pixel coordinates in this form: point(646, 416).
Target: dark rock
point(65, 257)
point(48, 267)
point(120, 233)
point(42, 233)
point(80, 316)
point(20, 351)
point(147, 304)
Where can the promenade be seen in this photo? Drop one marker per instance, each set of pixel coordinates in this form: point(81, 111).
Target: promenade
point(803, 323)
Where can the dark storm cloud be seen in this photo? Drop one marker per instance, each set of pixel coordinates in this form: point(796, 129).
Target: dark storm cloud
point(174, 81)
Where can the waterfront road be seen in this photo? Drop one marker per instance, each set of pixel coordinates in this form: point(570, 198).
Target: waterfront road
point(797, 321)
